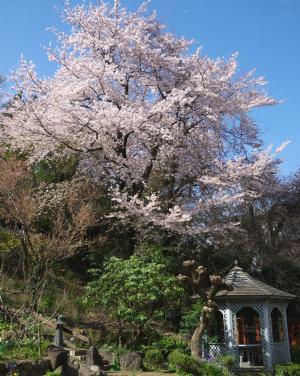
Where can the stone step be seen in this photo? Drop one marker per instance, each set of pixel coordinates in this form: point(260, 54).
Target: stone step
point(76, 352)
point(251, 371)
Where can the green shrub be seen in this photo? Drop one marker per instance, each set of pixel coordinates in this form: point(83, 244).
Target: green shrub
point(190, 319)
point(169, 344)
point(52, 373)
point(212, 369)
point(295, 354)
point(4, 326)
point(227, 361)
point(23, 350)
point(183, 363)
point(47, 303)
point(133, 291)
point(288, 370)
point(153, 359)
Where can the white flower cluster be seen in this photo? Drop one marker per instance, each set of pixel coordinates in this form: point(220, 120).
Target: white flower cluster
point(130, 98)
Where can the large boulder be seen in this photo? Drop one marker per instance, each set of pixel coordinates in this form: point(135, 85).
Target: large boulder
point(108, 358)
point(29, 367)
point(58, 356)
point(66, 371)
point(94, 358)
point(93, 370)
point(131, 361)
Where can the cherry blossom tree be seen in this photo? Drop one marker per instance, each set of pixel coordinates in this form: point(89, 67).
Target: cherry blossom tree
point(169, 131)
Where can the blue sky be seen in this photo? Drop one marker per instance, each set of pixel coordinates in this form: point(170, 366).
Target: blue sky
point(266, 33)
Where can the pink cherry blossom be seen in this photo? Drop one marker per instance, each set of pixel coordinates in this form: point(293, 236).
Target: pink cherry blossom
point(169, 131)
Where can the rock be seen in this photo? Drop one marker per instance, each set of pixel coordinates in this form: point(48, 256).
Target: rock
point(94, 370)
point(97, 370)
point(27, 367)
point(131, 361)
point(108, 358)
point(66, 371)
point(85, 371)
point(44, 365)
point(58, 356)
point(9, 335)
point(93, 357)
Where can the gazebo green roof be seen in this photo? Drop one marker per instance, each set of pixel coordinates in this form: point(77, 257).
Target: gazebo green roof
point(245, 286)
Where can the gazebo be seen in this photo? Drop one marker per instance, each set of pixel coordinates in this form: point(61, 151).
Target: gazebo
point(252, 323)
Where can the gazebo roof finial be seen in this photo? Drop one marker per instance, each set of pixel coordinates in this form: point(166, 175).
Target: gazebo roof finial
point(236, 266)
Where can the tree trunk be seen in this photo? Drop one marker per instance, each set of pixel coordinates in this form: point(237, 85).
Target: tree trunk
point(196, 341)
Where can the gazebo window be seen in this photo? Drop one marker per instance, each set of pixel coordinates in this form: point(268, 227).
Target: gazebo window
point(215, 330)
point(248, 326)
point(277, 325)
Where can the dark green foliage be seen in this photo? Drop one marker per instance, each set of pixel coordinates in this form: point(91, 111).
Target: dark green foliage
point(8, 241)
point(227, 361)
point(288, 370)
point(190, 319)
point(4, 325)
point(47, 302)
point(295, 354)
point(153, 359)
point(212, 369)
point(133, 292)
point(55, 170)
point(169, 344)
point(183, 363)
point(26, 349)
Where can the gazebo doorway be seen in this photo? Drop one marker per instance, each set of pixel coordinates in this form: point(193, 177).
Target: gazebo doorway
point(249, 338)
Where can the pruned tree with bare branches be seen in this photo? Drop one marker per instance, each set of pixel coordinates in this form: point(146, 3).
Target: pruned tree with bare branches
point(206, 288)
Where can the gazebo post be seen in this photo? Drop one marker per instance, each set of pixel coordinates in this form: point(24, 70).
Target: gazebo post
point(229, 331)
point(286, 333)
point(267, 338)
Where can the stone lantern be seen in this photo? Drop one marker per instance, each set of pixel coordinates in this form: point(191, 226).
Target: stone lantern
point(253, 316)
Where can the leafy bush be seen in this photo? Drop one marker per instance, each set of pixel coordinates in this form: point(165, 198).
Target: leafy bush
point(52, 373)
point(168, 344)
point(190, 319)
point(3, 326)
point(153, 359)
point(23, 350)
point(183, 363)
point(133, 292)
point(288, 370)
point(212, 369)
point(227, 361)
point(47, 302)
